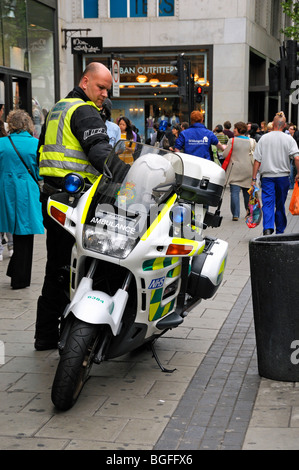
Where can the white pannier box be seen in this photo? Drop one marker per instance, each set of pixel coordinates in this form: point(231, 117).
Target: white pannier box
point(203, 180)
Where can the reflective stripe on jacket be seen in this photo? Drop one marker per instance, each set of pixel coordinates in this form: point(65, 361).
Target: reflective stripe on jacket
point(62, 152)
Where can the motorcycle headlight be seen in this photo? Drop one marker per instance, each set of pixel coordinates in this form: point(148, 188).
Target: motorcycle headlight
point(108, 243)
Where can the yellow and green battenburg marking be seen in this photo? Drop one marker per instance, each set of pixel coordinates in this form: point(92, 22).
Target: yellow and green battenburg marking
point(156, 310)
point(158, 263)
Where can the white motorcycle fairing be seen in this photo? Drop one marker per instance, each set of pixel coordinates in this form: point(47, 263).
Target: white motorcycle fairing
point(97, 307)
point(139, 260)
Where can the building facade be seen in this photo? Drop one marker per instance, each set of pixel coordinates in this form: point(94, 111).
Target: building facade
point(228, 47)
point(29, 65)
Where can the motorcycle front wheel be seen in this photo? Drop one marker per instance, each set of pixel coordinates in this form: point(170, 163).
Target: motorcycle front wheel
point(75, 364)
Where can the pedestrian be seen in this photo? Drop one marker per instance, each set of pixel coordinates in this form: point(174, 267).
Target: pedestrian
point(154, 134)
point(295, 134)
point(20, 208)
point(80, 128)
point(130, 137)
point(126, 129)
point(158, 138)
point(113, 130)
point(223, 139)
point(8, 240)
point(184, 125)
point(226, 129)
point(5, 125)
point(197, 139)
point(136, 130)
point(239, 169)
point(3, 132)
point(272, 159)
point(176, 130)
point(168, 139)
point(253, 133)
point(263, 128)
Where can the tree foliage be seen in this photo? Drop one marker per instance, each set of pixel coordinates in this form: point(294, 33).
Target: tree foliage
point(291, 8)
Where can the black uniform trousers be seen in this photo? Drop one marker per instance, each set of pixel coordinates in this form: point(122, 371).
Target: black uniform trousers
point(53, 298)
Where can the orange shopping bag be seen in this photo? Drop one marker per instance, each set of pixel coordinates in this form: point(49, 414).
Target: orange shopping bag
point(294, 203)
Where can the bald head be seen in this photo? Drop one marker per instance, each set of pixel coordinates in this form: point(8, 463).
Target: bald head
point(96, 81)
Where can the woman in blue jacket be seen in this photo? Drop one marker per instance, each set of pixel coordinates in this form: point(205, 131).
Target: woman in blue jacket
point(20, 208)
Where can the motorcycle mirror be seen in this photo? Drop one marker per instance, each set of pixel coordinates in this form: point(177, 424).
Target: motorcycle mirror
point(162, 188)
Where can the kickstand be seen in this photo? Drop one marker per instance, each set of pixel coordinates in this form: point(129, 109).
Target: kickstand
point(158, 361)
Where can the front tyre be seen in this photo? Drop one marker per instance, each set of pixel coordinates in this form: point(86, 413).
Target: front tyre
point(75, 364)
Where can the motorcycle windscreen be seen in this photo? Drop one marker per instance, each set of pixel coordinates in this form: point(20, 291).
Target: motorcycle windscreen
point(129, 197)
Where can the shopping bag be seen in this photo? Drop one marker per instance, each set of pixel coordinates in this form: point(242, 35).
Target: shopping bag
point(254, 210)
point(227, 159)
point(294, 202)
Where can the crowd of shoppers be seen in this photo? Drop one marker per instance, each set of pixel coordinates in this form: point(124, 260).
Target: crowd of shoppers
point(266, 152)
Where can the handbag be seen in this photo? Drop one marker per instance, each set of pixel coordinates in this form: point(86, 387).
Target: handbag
point(28, 169)
point(227, 160)
point(294, 202)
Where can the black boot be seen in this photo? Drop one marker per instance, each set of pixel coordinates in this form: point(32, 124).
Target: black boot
point(268, 231)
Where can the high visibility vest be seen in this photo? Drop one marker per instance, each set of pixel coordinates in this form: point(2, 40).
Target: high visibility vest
point(62, 152)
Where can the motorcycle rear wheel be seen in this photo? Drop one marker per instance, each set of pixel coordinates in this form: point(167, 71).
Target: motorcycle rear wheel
point(75, 364)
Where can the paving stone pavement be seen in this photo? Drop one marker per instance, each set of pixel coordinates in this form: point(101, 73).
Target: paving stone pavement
point(215, 398)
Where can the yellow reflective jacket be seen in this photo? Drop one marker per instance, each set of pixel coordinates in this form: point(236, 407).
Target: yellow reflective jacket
point(62, 152)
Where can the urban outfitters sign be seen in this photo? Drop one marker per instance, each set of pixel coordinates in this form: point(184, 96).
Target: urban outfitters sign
point(87, 45)
point(144, 69)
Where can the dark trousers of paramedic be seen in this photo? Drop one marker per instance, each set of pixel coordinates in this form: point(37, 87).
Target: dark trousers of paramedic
point(53, 299)
point(20, 264)
point(274, 195)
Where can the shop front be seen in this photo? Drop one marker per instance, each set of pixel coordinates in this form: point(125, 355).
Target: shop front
point(28, 56)
point(147, 93)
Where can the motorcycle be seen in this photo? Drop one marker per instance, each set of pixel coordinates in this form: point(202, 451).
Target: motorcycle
point(139, 260)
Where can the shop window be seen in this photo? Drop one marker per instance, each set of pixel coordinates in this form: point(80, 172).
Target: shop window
point(41, 59)
point(91, 9)
point(13, 15)
point(166, 7)
point(128, 8)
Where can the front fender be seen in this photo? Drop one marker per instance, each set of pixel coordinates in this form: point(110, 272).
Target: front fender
point(99, 308)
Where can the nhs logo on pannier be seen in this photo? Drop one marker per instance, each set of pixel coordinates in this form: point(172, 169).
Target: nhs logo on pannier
point(156, 283)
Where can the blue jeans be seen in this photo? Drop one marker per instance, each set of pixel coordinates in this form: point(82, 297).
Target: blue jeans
point(235, 199)
point(274, 194)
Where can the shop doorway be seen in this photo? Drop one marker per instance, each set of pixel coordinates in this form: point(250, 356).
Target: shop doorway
point(15, 90)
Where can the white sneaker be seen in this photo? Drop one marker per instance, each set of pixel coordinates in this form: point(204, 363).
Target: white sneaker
point(10, 253)
point(1, 257)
